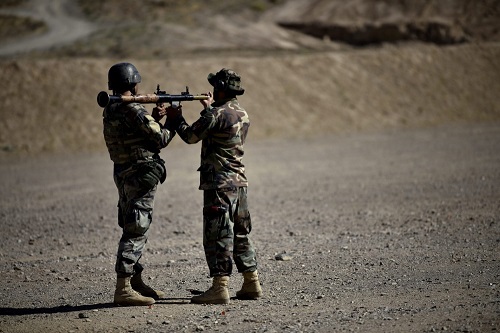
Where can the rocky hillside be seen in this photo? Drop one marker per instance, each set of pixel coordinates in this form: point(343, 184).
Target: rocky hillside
point(161, 28)
point(309, 67)
point(374, 22)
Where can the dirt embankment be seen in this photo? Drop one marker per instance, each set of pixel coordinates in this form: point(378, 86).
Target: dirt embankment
point(50, 105)
point(296, 84)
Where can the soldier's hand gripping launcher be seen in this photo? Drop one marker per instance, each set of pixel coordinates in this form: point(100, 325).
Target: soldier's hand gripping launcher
point(103, 98)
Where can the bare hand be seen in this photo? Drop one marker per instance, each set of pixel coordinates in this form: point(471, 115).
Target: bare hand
point(173, 112)
point(159, 111)
point(207, 102)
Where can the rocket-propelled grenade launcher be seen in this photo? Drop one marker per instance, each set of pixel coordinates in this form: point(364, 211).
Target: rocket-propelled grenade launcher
point(103, 98)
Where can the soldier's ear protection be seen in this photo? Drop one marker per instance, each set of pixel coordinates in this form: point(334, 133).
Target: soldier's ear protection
point(222, 82)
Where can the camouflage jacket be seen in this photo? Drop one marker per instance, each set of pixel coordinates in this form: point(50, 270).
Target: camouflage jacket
point(131, 133)
point(223, 128)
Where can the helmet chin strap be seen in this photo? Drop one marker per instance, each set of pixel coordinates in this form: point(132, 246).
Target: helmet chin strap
point(135, 89)
point(132, 88)
point(219, 95)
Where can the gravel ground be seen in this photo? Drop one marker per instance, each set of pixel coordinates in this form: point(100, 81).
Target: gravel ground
point(394, 231)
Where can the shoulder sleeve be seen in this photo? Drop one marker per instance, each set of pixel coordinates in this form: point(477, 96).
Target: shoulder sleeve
point(200, 129)
point(138, 117)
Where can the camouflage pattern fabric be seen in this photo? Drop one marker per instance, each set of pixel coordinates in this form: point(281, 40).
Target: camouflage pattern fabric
point(134, 139)
point(135, 215)
point(226, 229)
point(223, 127)
point(226, 79)
point(131, 133)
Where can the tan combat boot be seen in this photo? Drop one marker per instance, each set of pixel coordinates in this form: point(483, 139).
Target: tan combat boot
point(145, 290)
point(251, 288)
point(125, 295)
point(217, 294)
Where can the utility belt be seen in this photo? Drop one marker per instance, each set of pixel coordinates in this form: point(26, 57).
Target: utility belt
point(148, 172)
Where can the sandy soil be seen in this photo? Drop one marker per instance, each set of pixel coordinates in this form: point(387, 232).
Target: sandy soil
point(385, 231)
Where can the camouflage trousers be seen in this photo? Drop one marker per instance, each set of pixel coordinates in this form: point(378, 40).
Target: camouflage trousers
point(135, 214)
point(226, 229)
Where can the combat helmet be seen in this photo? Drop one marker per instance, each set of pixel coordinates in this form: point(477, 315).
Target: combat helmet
point(226, 80)
point(122, 75)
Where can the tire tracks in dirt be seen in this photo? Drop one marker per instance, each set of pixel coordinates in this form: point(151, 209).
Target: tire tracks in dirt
point(63, 19)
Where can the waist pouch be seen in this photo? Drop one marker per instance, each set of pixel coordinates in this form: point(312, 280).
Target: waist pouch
point(149, 174)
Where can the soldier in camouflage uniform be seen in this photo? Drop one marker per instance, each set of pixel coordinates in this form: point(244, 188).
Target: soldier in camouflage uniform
point(223, 128)
point(134, 139)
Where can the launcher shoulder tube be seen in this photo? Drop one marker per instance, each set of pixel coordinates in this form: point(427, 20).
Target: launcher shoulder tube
point(148, 98)
point(199, 97)
point(180, 98)
point(103, 98)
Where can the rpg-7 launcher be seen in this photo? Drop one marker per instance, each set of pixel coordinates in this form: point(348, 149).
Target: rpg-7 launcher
point(103, 98)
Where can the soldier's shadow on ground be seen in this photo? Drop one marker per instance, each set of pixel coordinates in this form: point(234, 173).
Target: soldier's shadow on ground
point(79, 308)
point(57, 309)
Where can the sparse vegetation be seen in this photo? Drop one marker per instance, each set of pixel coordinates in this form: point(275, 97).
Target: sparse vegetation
point(12, 27)
point(12, 3)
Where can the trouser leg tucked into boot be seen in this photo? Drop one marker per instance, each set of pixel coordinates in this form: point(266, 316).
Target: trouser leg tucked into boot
point(125, 295)
point(251, 288)
point(145, 290)
point(217, 294)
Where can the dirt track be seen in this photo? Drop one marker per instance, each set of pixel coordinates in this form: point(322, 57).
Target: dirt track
point(395, 231)
point(63, 26)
